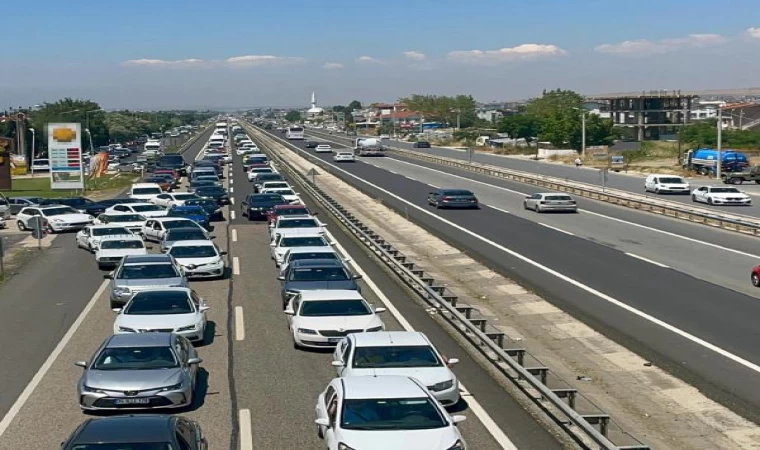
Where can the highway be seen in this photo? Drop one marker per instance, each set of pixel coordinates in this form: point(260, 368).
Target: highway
point(619, 278)
point(250, 369)
point(624, 182)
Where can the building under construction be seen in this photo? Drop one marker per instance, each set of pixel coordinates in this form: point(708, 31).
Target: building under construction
point(652, 115)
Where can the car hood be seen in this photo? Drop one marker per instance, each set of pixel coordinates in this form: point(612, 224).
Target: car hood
point(131, 380)
point(674, 185)
point(338, 322)
point(74, 217)
point(157, 321)
point(313, 285)
point(197, 261)
point(120, 252)
point(729, 194)
point(137, 223)
point(436, 439)
point(426, 375)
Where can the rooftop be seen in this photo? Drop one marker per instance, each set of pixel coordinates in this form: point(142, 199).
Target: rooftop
point(389, 338)
point(384, 386)
point(140, 340)
point(125, 429)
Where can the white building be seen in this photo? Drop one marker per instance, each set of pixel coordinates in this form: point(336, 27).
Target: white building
point(314, 110)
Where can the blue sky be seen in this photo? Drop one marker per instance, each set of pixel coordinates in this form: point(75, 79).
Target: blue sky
point(188, 53)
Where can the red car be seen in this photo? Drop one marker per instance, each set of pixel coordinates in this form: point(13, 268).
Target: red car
point(171, 172)
point(755, 276)
point(286, 210)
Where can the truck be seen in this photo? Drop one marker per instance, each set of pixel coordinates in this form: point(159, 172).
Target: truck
point(368, 147)
point(749, 174)
point(704, 160)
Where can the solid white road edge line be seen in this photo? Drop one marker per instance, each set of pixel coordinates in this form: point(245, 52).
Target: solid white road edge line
point(648, 317)
point(647, 260)
point(246, 434)
point(29, 389)
point(234, 235)
point(555, 228)
point(239, 324)
point(585, 211)
point(496, 432)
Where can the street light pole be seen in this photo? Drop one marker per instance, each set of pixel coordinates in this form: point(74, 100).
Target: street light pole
point(720, 142)
point(583, 134)
point(33, 152)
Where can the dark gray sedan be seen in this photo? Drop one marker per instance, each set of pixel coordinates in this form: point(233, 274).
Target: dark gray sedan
point(139, 371)
point(311, 274)
point(143, 432)
point(453, 198)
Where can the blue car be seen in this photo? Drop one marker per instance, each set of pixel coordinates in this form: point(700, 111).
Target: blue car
point(195, 213)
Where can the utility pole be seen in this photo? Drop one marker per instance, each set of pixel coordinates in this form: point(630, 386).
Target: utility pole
point(583, 134)
point(720, 142)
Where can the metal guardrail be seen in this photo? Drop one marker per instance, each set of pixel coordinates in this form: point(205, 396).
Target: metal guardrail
point(731, 222)
point(489, 343)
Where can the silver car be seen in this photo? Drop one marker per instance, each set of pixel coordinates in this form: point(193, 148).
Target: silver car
point(138, 273)
point(550, 201)
point(139, 371)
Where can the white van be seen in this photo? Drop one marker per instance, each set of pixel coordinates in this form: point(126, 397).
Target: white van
point(216, 140)
point(144, 191)
point(666, 184)
point(152, 148)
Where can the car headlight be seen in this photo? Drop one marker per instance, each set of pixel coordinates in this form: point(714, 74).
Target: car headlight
point(290, 293)
point(188, 328)
point(342, 446)
point(442, 386)
point(369, 330)
point(54, 220)
point(126, 329)
point(90, 218)
point(121, 290)
point(458, 445)
point(173, 387)
point(89, 389)
point(306, 331)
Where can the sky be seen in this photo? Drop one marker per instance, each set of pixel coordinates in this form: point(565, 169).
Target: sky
point(153, 54)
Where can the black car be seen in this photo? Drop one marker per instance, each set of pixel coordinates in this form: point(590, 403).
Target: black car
point(452, 198)
point(202, 183)
point(256, 206)
point(312, 274)
point(174, 162)
point(421, 144)
point(209, 205)
point(81, 204)
point(144, 432)
point(311, 144)
point(207, 163)
point(216, 193)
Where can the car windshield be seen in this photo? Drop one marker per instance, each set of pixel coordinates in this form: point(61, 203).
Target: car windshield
point(184, 196)
point(146, 191)
point(130, 446)
point(147, 208)
point(210, 190)
point(295, 211)
point(189, 211)
point(70, 201)
point(59, 211)
point(395, 357)
point(127, 218)
point(391, 414)
point(261, 170)
point(169, 224)
point(673, 180)
point(277, 185)
point(298, 223)
point(303, 241)
point(319, 274)
point(154, 303)
point(462, 193)
point(725, 190)
point(112, 244)
point(203, 203)
point(135, 358)
point(563, 198)
point(323, 308)
point(185, 235)
point(312, 255)
point(109, 231)
point(212, 178)
point(194, 251)
point(268, 177)
point(265, 199)
point(147, 271)
point(284, 191)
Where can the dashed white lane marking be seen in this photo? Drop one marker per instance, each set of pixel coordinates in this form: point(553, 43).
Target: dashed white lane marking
point(410, 178)
point(234, 235)
point(231, 180)
point(555, 228)
point(648, 260)
point(232, 189)
point(232, 200)
point(232, 215)
point(246, 434)
point(235, 265)
point(239, 324)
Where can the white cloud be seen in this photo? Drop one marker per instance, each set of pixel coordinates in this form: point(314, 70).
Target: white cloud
point(162, 62)
point(645, 46)
point(332, 66)
point(415, 56)
point(367, 60)
point(753, 32)
point(520, 52)
point(263, 60)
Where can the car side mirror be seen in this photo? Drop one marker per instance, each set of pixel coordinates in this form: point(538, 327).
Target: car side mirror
point(458, 419)
point(380, 310)
point(338, 364)
point(528, 197)
point(281, 278)
point(222, 253)
point(452, 361)
point(357, 277)
point(193, 361)
point(116, 310)
point(82, 364)
point(272, 244)
point(322, 422)
point(204, 308)
point(149, 247)
point(290, 312)
point(108, 276)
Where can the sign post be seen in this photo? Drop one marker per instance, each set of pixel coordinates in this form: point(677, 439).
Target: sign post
point(604, 173)
point(65, 153)
point(312, 173)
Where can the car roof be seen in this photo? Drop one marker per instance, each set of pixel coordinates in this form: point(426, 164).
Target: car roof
point(135, 204)
point(142, 185)
point(294, 250)
point(169, 219)
point(552, 193)
point(300, 232)
point(121, 237)
point(194, 243)
point(305, 263)
point(185, 229)
point(296, 217)
point(389, 338)
point(125, 429)
point(383, 386)
point(104, 225)
point(330, 294)
point(152, 258)
point(140, 339)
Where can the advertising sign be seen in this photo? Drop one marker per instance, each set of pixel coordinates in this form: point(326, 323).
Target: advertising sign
point(65, 154)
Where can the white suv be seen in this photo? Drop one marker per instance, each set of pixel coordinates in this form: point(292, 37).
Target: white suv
point(666, 184)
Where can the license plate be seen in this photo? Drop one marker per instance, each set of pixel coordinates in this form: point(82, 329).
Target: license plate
point(132, 401)
point(333, 340)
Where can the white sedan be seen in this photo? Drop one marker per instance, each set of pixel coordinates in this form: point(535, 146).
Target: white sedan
point(321, 318)
point(58, 218)
point(384, 412)
point(199, 259)
point(169, 199)
point(720, 195)
point(148, 210)
point(286, 193)
point(178, 309)
point(253, 171)
point(323, 148)
point(90, 236)
point(132, 221)
point(344, 157)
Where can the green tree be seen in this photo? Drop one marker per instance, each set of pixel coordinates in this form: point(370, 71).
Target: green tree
point(72, 110)
point(293, 116)
point(355, 104)
point(443, 109)
point(520, 126)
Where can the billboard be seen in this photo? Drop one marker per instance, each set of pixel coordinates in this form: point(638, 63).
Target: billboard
point(65, 154)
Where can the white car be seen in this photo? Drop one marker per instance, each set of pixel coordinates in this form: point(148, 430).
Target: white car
point(253, 171)
point(299, 253)
point(383, 412)
point(148, 210)
point(275, 185)
point(89, 237)
point(666, 184)
point(169, 199)
point(323, 148)
point(304, 223)
point(58, 218)
point(144, 191)
point(199, 259)
point(344, 157)
point(285, 240)
point(180, 310)
point(155, 229)
point(113, 249)
point(550, 201)
point(720, 195)
point(287, 193)
point(407, 353)
point(321, 318)
point(131, 221)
